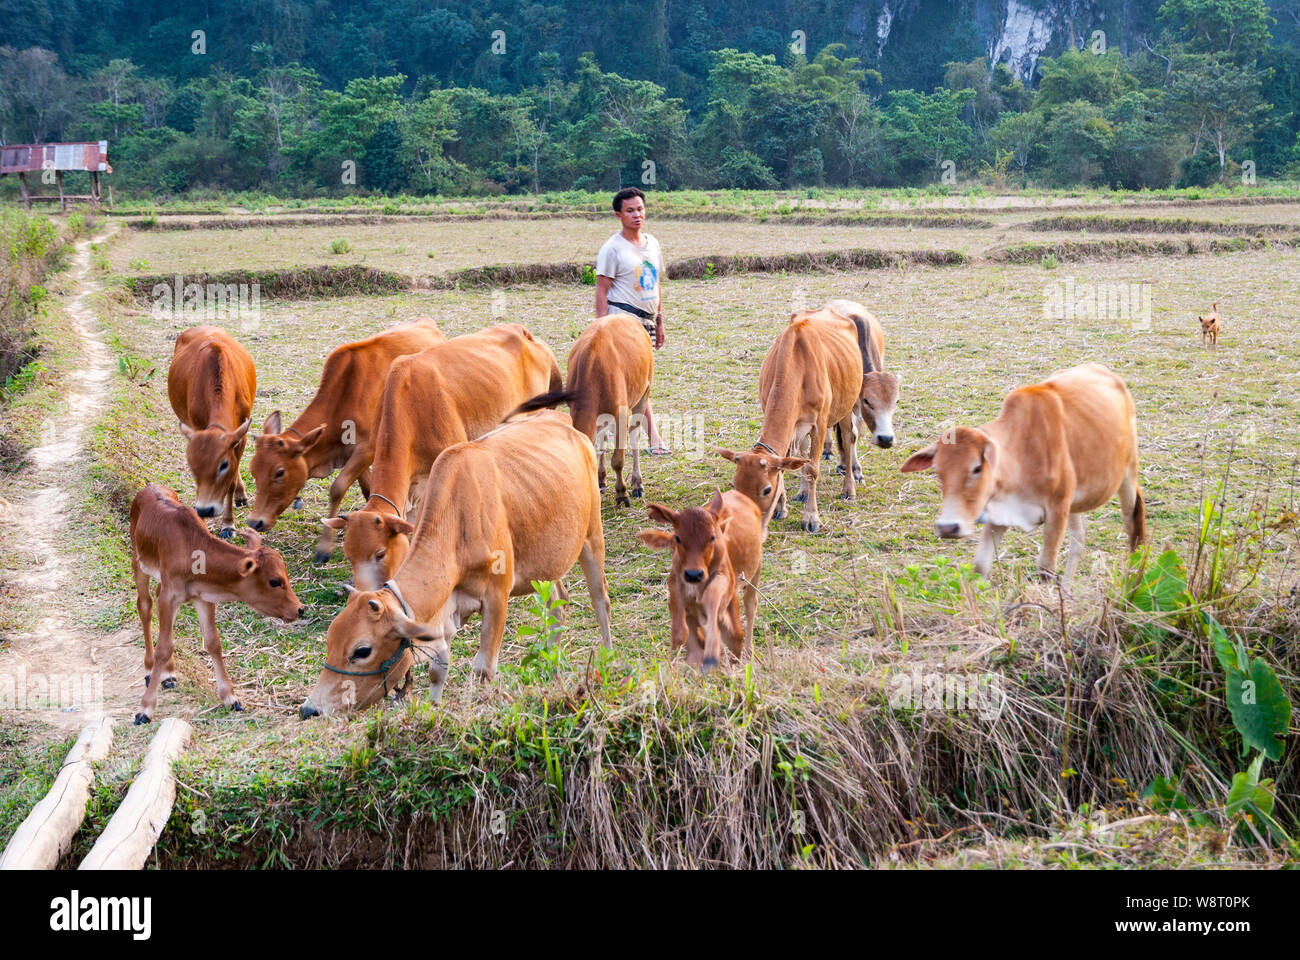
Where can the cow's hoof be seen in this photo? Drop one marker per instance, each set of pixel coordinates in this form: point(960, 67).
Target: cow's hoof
point(141, 717)
point(800, 497)
point(857, 476)
point(237, 707)
point(297, 504)
point(778, 514)
point(839, 469)
point(709, 663)
point(809, 525)
point(241, 501)
point(826, 454)
point(227, 533)
point(146, 681)
point(638, 492)
point(622, 501)
point(321, 558)
point(169, 683)
point(848, 496)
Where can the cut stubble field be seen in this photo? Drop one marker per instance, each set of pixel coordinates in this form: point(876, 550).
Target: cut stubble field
point(840, 609)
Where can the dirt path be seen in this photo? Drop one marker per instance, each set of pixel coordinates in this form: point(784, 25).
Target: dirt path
point(61, 674)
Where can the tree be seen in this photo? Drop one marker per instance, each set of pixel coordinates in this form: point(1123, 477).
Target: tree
point(1078, 140)
point(1233, 28)
point(35, 95)
point(1219, 102)
point(927, 129)
point(1018, 134)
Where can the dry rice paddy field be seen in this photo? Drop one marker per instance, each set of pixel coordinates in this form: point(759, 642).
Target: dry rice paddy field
point(799, 756)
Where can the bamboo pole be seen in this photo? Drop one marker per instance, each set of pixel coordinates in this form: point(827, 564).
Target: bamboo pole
point(131, 834)
point(45, 836)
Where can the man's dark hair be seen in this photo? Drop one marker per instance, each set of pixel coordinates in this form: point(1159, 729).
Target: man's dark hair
point(627, 193)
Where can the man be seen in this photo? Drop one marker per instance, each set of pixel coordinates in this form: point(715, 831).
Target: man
point(629, 279)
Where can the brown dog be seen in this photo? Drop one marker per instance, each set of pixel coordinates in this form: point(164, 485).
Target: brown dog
point(1210, 326)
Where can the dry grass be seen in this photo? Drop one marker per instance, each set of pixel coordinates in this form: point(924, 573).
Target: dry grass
point(1109, 224)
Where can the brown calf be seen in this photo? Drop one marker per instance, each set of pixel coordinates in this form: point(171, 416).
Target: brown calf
point(448, 394)
point(170, 544)
point(713, 547)
point(1058, 450)
point(611, 367)
point(517, 505)
point(336, 431)
point(1210, 325)
point(814, 376)
point(758, 476)
point(211, 385)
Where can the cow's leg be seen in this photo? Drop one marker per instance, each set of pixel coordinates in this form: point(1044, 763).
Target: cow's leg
point(600, 468)
point(1077, 528)
point(241, 492)
point(228, 515)
point(716, 610)
point(620, 490)
point(811, 516)
point(167, 606)
point(357, 464)
point(1134, 511)
point(561, 591)
point(858, 424)
point(987, 551)
point(751, 609)
point(802, 432)
point(144, 607)
point(207, 614)
point(677, 615)
point(844, 434)
point(1058, 518)
point(496, 600)
point(592, 559)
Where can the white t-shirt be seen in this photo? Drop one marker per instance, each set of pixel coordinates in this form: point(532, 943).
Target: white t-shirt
point(634, 270)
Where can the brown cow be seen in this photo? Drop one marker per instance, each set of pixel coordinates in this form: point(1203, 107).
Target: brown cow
point(815, 375)
point(1058, 450)
point(448, 394)
point(171, 544)
point(211, 385)
point(517, 505)
point(611, 367)
point(879, 401)
point(758, 476)
point(336, 431)
point(713, 546)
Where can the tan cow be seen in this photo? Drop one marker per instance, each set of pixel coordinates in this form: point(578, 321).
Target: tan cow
point(758, 476)
point(879, 402)
point(611, 367)
point(448, 394)
point(1058, 450)
point(816, 375)
point(211, 385)
point(713, 548)
point(517, 505)
point(171, 544)
point(336, 431)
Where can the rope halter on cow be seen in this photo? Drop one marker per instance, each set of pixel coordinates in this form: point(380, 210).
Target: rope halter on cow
point(402, 647)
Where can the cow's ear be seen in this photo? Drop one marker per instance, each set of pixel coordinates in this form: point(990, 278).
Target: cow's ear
point(726, 454)
point(247, 567)
point(312, 437)
point(186, 430)
point(336, 523)
point(991, 455)
point(661, 514)
point(398, 525)
point(792, 463)
point(404, 626)
point(921, 460)
point(243, 429)
point(272, 424)
point(656, 539)
point(715, 504)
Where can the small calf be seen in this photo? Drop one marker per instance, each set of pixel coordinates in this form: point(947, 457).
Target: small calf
point(172, 545)
point(758, 476)
point(1210, 326)
point(712, 547)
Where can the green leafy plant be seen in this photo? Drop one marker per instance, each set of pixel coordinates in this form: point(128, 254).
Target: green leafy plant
point(589, 275)
point(139, 263)
point(710, 272)
point(1049, 261)
point(339, 245)
point(544, 658)
point(133, 368)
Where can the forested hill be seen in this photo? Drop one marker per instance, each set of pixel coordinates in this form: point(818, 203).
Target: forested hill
point(492, 96)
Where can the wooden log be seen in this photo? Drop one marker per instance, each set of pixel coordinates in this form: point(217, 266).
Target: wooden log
point(58, 175)
point(131, 834)
point(22, 185)
point(46, 835)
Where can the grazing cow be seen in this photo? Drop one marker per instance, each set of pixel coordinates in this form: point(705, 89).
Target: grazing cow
point(211, 385)
point(879, 400)
point(1057, 450)
point(336, 431)
point(517, 505)
point(713, 546)
point(447, 394)
point(1210, 326)
point(611, 367)
point(171, 544)
point(817, 374)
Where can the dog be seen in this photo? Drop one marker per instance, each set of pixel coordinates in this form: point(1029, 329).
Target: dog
point(1210, 326)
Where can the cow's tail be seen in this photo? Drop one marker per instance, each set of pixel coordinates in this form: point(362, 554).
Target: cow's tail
point(860, 323)
point(546, 401)
point(1138, 526)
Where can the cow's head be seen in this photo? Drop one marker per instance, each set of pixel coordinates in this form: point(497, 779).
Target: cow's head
point(264, 582)
point(758, 475)
point(698, 535)
point(279, 469)
point(878, 403)
point(212, 458)
point(965, 460)
point(368, 652)
point(375, 544)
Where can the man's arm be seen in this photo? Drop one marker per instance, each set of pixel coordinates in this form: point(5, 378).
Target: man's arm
point(659, 316)
point(602, 295)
